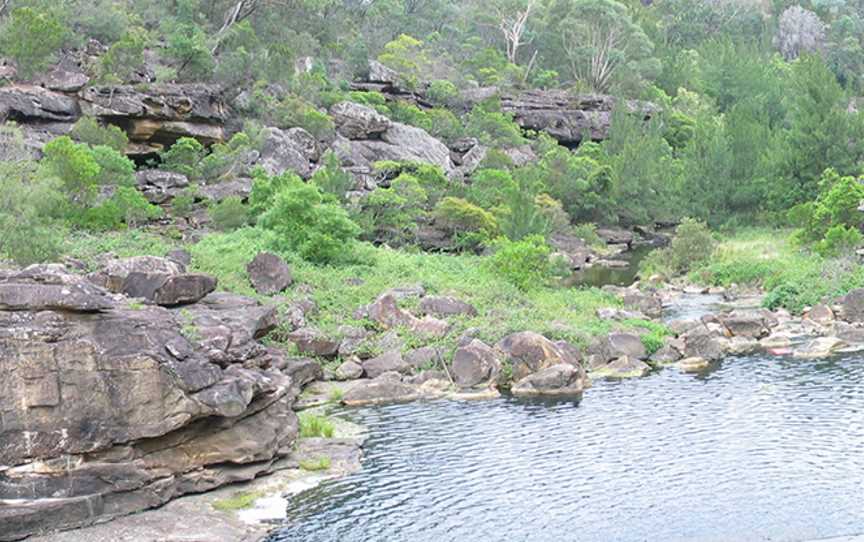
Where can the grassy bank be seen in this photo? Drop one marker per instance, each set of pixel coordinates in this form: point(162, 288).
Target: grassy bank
point(557, 312)
point(792, 276)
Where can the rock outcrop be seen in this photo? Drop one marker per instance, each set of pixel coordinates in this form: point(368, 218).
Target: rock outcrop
point(109, 407)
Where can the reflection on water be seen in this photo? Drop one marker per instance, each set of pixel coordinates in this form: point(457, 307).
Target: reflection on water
point(761, 449)
point(599, 275)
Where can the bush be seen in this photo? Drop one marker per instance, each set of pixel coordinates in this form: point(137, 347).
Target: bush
point(588, 233)
point(226, 160)
point(88, 130)
point(126, 207)
point(443, 93)
point(320, 232)
point(114, 168)
point(124, 58)
point(432, 179)
point(229, 214)
point(76, 168)
point(834, 211)
point(390, 214)
point(469, 224)
point(691, 247)
point(332, 179)
point(292, 112)
point(524, 263)
point(183, 203)
point(493, 127)
point(838, 240)
point(184, 157)
point(30, 37)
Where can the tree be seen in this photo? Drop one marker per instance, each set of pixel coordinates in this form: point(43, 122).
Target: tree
point(513, 23)
point(800, 31)
point(124, 57)
point(603, 45)
point(31, 37)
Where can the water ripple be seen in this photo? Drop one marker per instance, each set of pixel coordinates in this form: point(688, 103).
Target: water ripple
point(762, 449)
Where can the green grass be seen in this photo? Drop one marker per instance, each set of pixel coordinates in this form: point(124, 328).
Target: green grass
point(792, 276)
point(559, 313)
point(90, 247)
point(315, 426)
point(322, 463)
point(241, 500)
point(336, 395)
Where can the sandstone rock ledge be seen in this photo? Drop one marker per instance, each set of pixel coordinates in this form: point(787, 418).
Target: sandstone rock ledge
point(110, 406)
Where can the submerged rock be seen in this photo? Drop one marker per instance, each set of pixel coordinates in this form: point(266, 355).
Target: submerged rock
point(623, 367)
point(694, 365)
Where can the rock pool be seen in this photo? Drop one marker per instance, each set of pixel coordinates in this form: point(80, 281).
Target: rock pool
point(761, 449)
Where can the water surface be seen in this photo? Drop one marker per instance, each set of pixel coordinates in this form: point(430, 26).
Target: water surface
point(761, 449)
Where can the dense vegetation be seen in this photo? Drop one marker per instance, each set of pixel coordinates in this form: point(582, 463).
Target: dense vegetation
point(759, 125)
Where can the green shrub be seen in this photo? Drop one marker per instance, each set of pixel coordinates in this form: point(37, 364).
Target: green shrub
point(524, 263)
point(30, 37)
point(293, 111)
point(184, 157)
point(431, 178)
point(186, 45)
point(332, 179)
point(29, 229)
point(469, 224)
point(88, 130)
point(834, 212)
point(184, 202)
point(493, 127)
point(838, 240)
point(443, 93)
point(588, 233)
point(76, 168)
point(114, 168)
point(126, 207)
point(407, 57)
point(489, 187)
point(226, 160)
point(229, 214)
point(390, 214)
point(691, 247)
point(302, 221)
point(124, 57)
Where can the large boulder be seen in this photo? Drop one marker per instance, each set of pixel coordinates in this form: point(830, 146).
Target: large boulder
point(355, 121)
point(562, 379)
point(852, 306)
point(169, 289)
point(751, 323)
point(27, 103)
point(648, 304)
point(446, 306)
point(391, 361)
point(529, 352)
point(475, 364)
point(160, 186)
point(287, 151)
point(312, 342)
point(398, 142)
point(615, 345)
point(269, 274)
point(386, 388)
point(110, 409)
point(113, 275)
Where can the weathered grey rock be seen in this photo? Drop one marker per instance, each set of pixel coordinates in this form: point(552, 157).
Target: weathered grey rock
point(312, 342)
point(391, 361)
point(567, 117)
point(575, 249)
point(666, 354)
point(160, 186)
point(821, 347)
point(269, 274)
point(37, 289)
point(28, 103)
point(169, 289)
point(108, 410)
point(647, 304)
point(353, 340)
point(430, 327)
point(379, 73)
point(615, 345)
point(240, 187)
point(423, 357)
point(821, 314)
point(702, 343)
point(387, 388)
point(113, 275)
point(446, 306)
point(283, 152)
point(752, 323)
point(303, 371)
point(563, 379)
point(386, 312)
point(349, 371)
point(852, 306)
point(355, 121)
point(181, 257)
point(475, 364)
point(528, 352)
point(623, 367)
point(400, 142)
point(304, 142)
point(610, 313)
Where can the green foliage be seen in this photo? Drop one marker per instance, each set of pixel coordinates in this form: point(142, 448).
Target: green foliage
point(184, 157)
point(186, 45)
point(126, 207)
point(88, 130)
point(443, 93)
point(520, 216)
point(524, 263)
point(832, 221)
point(691, 247)
point(241, 500)
point(302, 221)
point(292, 112)
point(75, 166)
point(226, 160)
point(312, 426)
point(431, 178)
point(588, 233)
point(493, 127)
point(582, 184)
point(30, 37)
point(407, 57)
point(471, 225)
point(265, 187)
point(322, 463)
point(229, 214)
point(114, 168)
point(124, 57)
point(332, 179)
point(184, 202)
point(390, 214)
